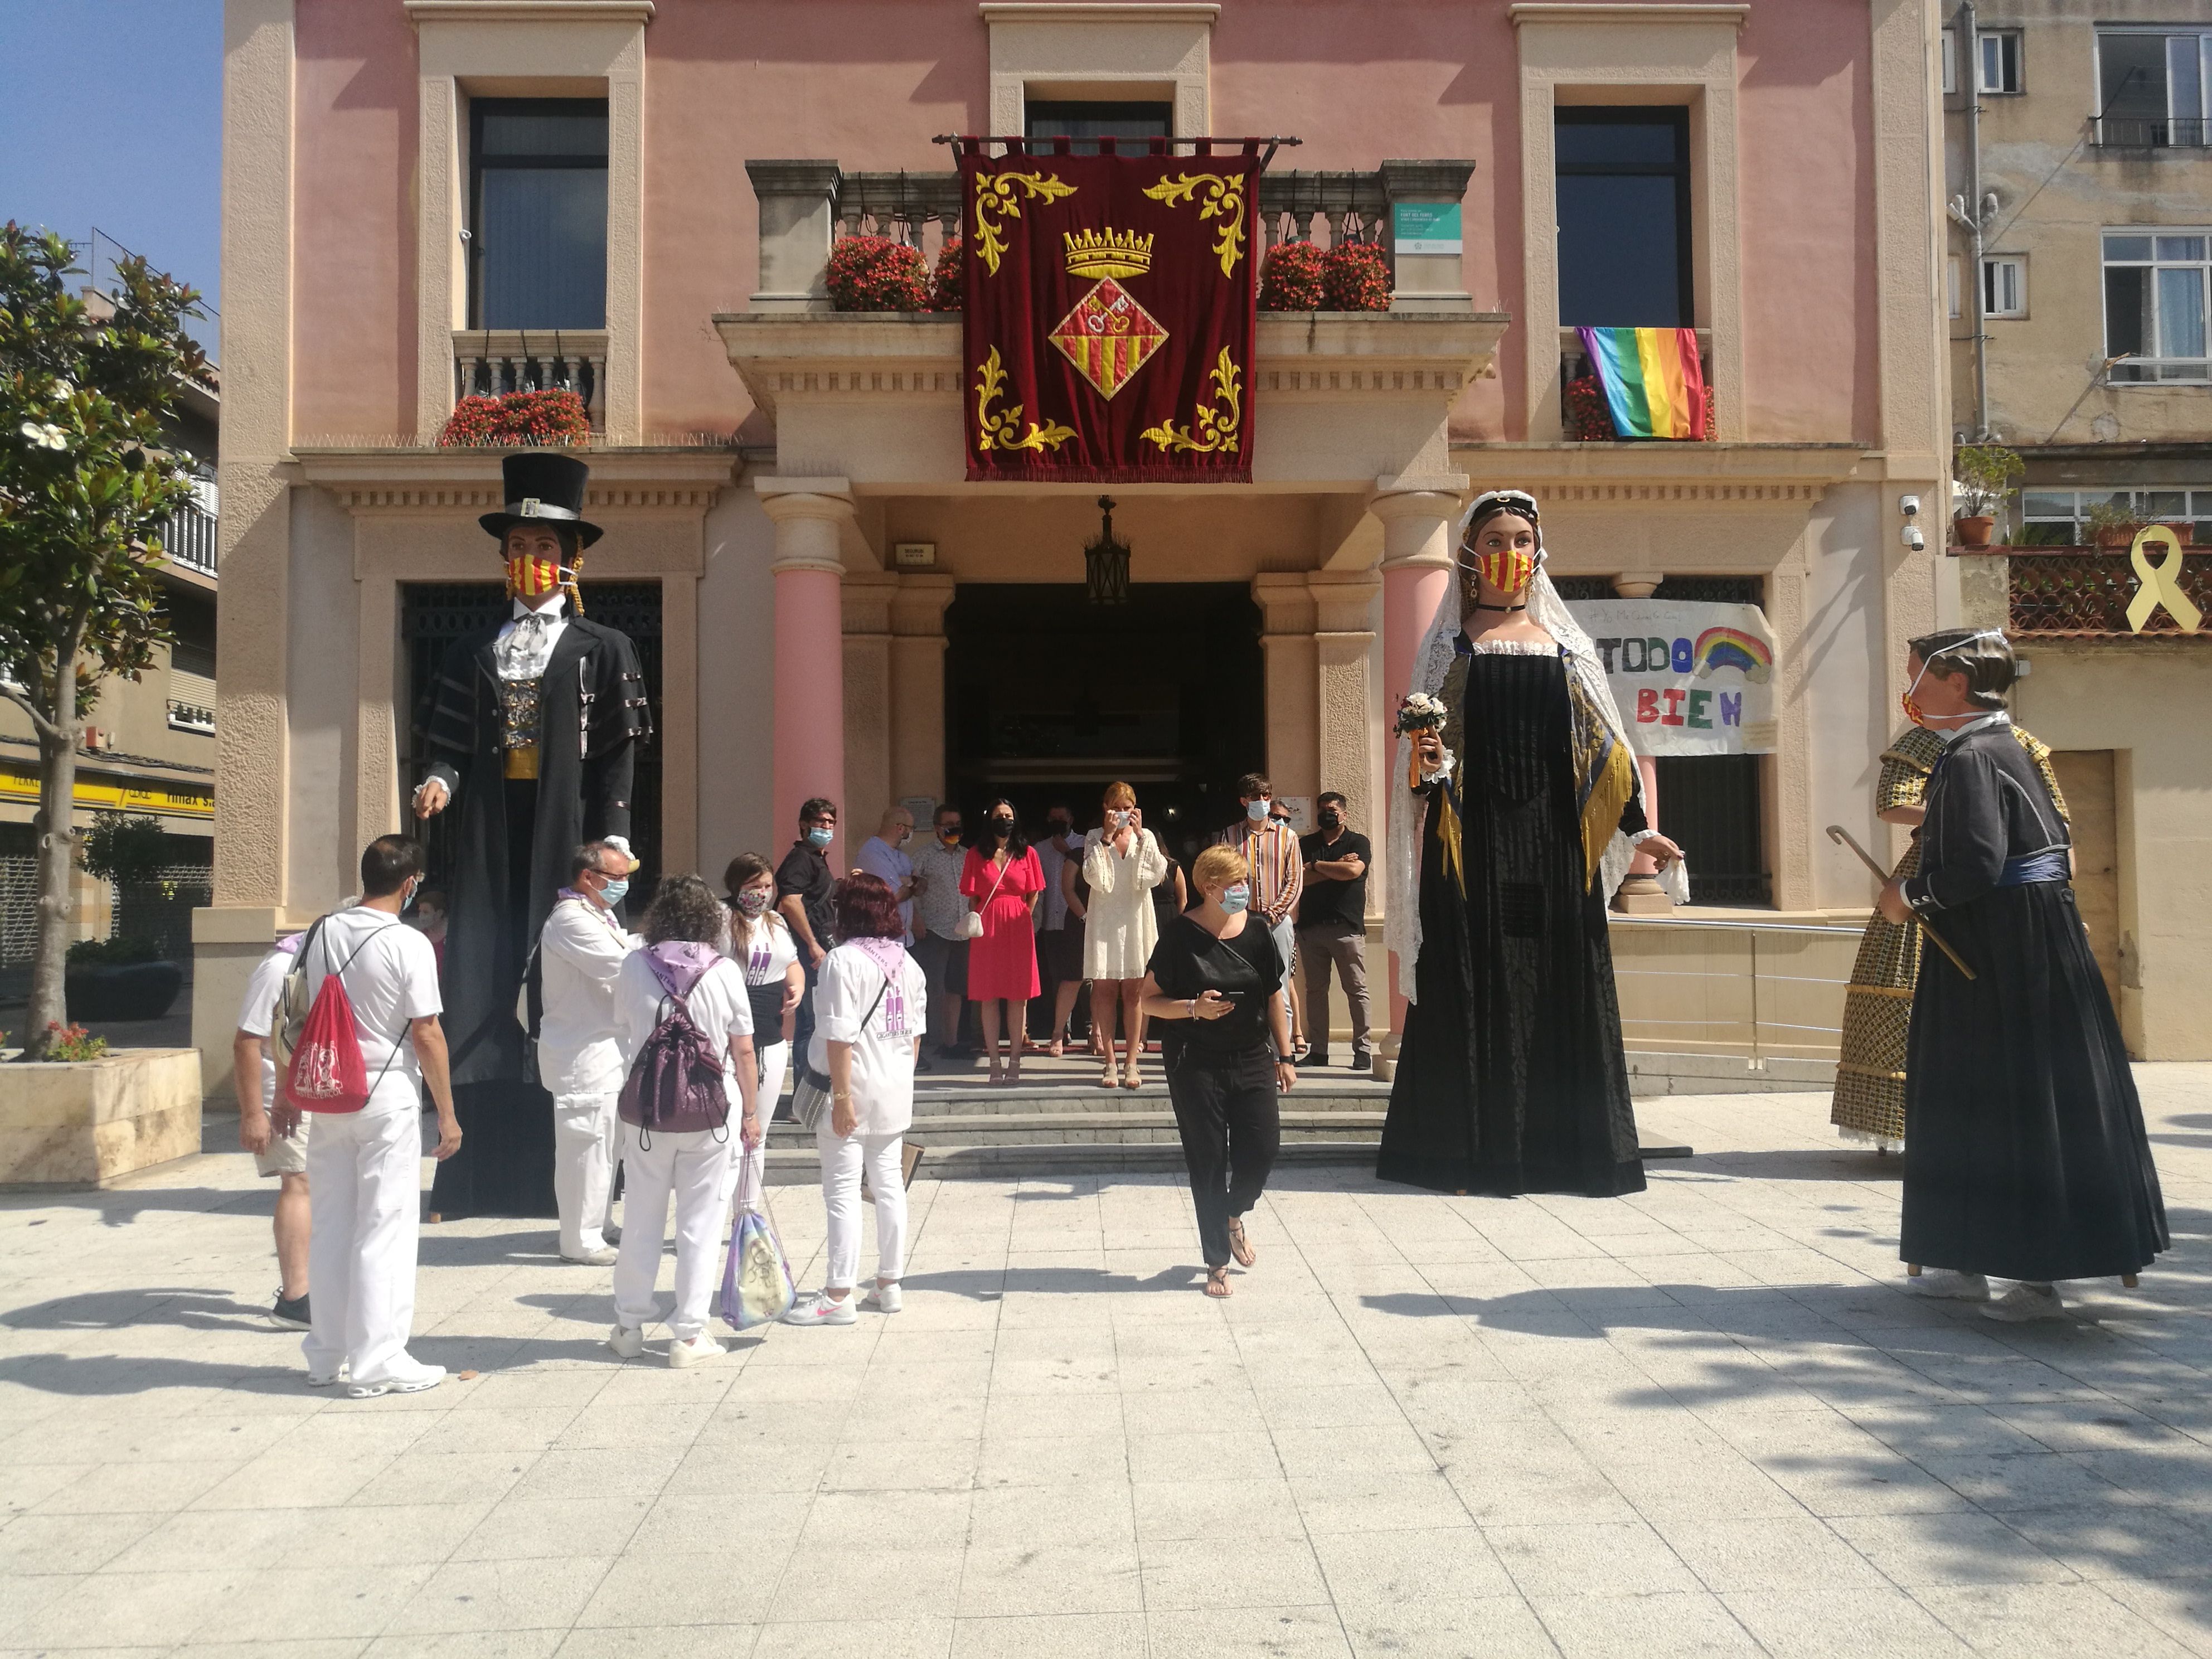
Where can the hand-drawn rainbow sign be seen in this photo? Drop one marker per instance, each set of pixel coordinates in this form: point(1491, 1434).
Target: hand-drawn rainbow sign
point(1691, 677)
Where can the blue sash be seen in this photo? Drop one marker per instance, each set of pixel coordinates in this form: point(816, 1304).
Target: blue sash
point(2050, 865)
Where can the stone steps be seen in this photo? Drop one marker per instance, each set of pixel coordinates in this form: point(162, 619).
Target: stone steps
point(797, 1165)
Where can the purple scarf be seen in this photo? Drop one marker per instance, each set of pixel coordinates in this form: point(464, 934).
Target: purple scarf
point(890, 957)
point(679, 964)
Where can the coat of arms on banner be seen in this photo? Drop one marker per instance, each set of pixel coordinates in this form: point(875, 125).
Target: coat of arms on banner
point(1110, 314)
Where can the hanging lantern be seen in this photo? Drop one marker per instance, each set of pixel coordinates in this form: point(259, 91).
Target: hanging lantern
point(1106, 561)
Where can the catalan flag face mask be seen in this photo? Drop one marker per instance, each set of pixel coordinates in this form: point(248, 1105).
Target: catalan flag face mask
point(1508, 569)
point(529, 578)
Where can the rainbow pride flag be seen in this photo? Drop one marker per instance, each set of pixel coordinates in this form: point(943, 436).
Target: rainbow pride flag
point(1653, 381)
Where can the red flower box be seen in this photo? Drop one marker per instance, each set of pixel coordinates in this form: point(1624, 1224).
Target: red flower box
point(946, 293)
point(556, 417)
point(874, 273)
point(1291, 279)
point(1355, 276)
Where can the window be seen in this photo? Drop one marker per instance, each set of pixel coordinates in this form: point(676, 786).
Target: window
point(2060, 518)
point(2151, 84)
point(2000, 61)
point(1950, 61)
point(2155, 304)
point(1951, 284)
point(1092, 121)
point(2004, 286)
point(537, 213)
point(1623, 217)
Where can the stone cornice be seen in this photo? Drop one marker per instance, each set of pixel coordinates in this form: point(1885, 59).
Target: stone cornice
point(1643, 475)
point(528, 11)
point(446, 480)
point(1613, 14)
point(1094, 12)
point(1324, 354)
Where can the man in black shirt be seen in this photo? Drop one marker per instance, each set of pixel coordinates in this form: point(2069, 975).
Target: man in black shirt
point(803, 883)
point(1333, 927)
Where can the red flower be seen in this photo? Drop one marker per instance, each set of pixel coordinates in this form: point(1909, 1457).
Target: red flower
point(1355, 276)
point(554, 416)
point(874, 273)
point(1291, 279)
point(946, 293)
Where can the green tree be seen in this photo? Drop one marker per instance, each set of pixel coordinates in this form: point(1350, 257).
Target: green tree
point(85, 486)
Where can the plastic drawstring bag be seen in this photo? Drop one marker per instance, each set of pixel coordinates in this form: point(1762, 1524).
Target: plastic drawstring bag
point(756, 1286)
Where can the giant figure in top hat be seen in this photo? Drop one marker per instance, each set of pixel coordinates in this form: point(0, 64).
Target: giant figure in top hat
point(533, 728)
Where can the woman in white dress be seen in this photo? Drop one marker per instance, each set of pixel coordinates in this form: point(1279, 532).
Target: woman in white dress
point(759, 941)
point(1123, 863)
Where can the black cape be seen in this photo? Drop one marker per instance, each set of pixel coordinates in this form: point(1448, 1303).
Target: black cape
point(1510, 1077)
point(2025, 1153)
point(503, 880)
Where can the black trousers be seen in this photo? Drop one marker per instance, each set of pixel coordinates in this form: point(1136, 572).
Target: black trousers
point(802, 1038)
point(1228, 1113)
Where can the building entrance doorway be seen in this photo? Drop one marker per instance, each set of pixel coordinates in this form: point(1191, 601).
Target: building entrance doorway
point(1050, 698)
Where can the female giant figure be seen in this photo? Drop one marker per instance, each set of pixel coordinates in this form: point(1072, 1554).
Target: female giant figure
point(1523, 811)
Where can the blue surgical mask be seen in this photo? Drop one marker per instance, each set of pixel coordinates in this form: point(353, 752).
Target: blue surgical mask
point(1234, 899)
point(1256, 811)
point(615, 889)
point(820, 835)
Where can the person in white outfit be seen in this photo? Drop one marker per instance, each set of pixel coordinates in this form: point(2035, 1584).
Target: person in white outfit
point(1123, 863)
point(579, 951)
point(870, 1004)
point(276, 1135)
point(364, 1168)
point(759, 941)
point(683, 930)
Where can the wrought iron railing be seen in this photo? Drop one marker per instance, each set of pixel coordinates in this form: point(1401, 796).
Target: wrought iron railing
point(2133, 132)
point(188, 539)
point(2085, 592)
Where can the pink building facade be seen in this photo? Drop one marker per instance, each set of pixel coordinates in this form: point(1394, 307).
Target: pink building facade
point(831, 609)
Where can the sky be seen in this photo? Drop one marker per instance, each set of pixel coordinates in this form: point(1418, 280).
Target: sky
point(111, 116)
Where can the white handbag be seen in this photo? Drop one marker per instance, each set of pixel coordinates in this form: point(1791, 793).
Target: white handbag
point(971, 925)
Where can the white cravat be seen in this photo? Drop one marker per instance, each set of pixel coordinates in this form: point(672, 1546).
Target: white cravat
point(527, 638)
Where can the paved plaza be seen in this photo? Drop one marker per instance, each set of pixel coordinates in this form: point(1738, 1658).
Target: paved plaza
point(1701, 1420)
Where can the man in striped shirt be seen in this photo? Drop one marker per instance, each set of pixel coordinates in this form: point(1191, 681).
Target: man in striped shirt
point(1272, 850)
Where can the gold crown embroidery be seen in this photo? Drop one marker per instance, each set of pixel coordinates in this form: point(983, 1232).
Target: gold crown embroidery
point(1115, 254)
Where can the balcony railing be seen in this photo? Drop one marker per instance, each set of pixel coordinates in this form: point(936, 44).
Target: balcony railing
point(188, 539)
point(2084, 593)
point(2132, 132)
point(489, 361)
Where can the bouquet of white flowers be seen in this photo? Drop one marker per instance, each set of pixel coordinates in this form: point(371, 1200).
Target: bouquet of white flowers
point(1419, 712)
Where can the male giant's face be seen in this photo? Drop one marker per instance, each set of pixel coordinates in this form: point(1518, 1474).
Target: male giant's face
point(533, 563)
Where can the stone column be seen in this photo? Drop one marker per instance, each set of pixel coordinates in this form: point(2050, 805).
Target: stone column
point(870, 743)
point(917, 712)
point(1640, 893)
point(809, 515)
point(1417, 517)
point(1286, 643)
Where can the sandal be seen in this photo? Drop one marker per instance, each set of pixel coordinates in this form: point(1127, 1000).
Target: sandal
point(1239, 1246)
point(1216, 1282)
point(1053, 1048)
point(1129, 1078)
point(998, 1073)
point(1106, 1078)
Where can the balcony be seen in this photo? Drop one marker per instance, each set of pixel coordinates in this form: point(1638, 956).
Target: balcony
point(188, 539)
point(489, 361)
point(1575, 365)
point(2131, 132)
point(2084, 593)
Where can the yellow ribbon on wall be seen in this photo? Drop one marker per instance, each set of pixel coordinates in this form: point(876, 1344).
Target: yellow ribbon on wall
point(2161, 582)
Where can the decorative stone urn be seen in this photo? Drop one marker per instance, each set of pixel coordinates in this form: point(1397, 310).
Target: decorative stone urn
point(85, 1122)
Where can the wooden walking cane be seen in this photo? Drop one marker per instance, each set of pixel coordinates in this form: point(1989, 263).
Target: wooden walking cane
point(1841, 837)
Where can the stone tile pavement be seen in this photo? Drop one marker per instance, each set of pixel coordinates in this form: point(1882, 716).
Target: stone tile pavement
point(1702, 1420)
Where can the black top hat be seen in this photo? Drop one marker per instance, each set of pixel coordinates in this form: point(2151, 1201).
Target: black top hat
point(544, 488)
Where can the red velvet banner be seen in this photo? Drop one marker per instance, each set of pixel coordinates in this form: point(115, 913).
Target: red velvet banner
point(1111, 307)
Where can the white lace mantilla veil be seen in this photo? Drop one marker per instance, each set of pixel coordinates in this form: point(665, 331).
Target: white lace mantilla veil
point(1401, 918)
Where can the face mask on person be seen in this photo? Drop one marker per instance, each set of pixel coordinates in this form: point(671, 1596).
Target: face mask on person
point(1256, 810)
point(1508, 569)
point(1234, 899)
point(1058, 826)
point(1117, 819)
point(1331, 819)
point(1001, 829)
point(950, 834)
point(752, 902)
point(820, 835)
point(615, 890)
point(903, 835)
point(530, 578)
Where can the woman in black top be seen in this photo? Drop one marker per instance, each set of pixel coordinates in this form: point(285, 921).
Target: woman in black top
point(1215, 977)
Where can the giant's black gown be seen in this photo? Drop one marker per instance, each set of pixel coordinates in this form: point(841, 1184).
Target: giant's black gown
point(510, 859)
point(2025, 1153)
point(1510, 1077)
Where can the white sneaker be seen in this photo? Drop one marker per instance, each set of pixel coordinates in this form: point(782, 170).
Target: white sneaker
point(327, 1380)
point(626, 1343)
point(883, 1298)
point(695, 1350)
point(2025, 1302)
point(820, 1309)
point(407, 1376)
point(601, 1257)
point(1950, 1284)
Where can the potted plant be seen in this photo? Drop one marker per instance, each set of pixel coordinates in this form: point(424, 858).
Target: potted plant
point(1983, 475)
point(2111, 524)
point(121, 978)
point(874, 273)
point(946, 284)
point(1290, 280)
point(1355, 276)
point(554, 417)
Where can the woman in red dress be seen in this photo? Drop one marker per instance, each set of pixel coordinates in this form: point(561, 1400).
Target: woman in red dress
point(1002, 879)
